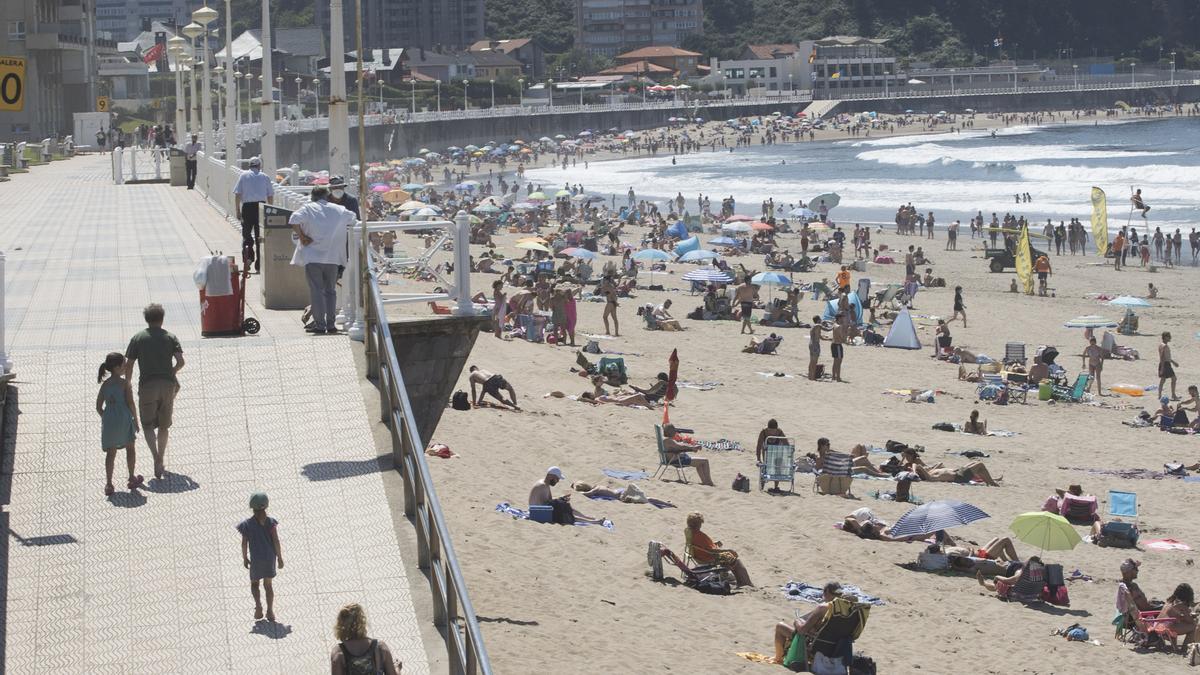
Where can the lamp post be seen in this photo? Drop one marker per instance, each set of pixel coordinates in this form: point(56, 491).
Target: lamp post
point(236, 98)
point(176, 46)
point(380, 81)
point(300, 104)
point(791, 84)
point(521, 91)
point(266, 113)
point(219, 72)
point(550, 89)
point(439, 94)
point(1132, 74)
point(230, 89)
point(951, 81)
point(466, 94)
point(412, 93)
point(1014, 79)
point(317, 96)
point(493, 84)
point(194, 30)
point(1172, 69)
point(1075, 75)
point(279, 86)
point(204, 16)
point(339, 114)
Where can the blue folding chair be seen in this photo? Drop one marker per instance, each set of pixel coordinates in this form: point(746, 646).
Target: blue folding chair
point(1123, 505)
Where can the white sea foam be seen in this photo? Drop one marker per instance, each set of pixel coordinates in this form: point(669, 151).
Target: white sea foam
point(928, 153)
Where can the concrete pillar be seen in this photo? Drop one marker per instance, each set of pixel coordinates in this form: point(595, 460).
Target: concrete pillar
point(339, 120)
point(267, 111)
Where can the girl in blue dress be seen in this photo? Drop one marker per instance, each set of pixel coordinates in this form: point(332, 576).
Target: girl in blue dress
point(118, 419)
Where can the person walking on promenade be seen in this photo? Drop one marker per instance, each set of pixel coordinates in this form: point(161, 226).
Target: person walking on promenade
point(118, 419)
point(159, 357)
point(251, 189)
point(321, 247)
point(356, 653)
point(261, 552)
point(189, 161)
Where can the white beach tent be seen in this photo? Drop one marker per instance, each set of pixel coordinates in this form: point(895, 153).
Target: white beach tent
point(903, 334)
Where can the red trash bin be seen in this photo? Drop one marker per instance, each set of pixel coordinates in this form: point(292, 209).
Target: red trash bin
point(222, 315)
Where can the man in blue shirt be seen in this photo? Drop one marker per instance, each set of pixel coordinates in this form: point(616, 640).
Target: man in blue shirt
point(252, 188)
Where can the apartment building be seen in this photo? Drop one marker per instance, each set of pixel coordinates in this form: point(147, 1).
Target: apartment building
point(411, 24)
point(612, 27)
point(124, 19)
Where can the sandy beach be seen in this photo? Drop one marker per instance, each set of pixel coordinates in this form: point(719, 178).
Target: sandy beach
point(579, 599)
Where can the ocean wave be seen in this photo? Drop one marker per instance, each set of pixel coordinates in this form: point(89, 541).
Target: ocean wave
point(1147, 174)
point(918, 139)
point(929, 153)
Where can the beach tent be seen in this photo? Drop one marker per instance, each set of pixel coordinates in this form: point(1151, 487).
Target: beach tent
point(689, 244)
point(903, 334)
point(678, 230)
point(831, 308)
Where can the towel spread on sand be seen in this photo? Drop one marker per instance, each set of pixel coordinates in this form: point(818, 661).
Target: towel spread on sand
point(973, 454)
point(1166, 545)
point(1121, 473)
point(891, 497)
point(505, 507)
point(775, 374)
point(798, 590)
point(702, 386)
point(621, 474)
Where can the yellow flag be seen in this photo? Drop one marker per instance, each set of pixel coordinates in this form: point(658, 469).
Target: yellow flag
point(1024, 264)
point(1100, 221)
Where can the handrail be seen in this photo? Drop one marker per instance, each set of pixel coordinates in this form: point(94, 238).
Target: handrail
point(452, 609)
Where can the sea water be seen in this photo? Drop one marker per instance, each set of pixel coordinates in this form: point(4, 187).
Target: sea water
point(955, 175)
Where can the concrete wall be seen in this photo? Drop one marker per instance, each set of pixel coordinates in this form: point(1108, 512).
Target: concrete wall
point(311, 149)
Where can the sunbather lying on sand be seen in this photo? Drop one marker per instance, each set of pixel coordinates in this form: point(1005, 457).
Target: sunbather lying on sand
point(938, 473)
point(862, 463)
point(599, 394)
point(630, 495)
point(867, 525)
point(999, 548)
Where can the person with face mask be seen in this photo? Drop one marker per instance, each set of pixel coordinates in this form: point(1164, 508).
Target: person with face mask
point(339, 196)
point(252, 188)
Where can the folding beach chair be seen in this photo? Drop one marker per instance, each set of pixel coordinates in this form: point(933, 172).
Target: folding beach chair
point(769, 345)
point(886, 299)
point(844, 623)
point(779, 457)
point(611, 366)
point(834, 476)
point(1073, 393)
point(864, 288)
point(1123, 505)
point(664, 461)
point(1028, 587)
point(1014, 352)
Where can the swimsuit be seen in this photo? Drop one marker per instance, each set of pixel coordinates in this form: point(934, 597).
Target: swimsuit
point(1165, 370)
point(837, 350)
point(494, 384)
point(747, 307)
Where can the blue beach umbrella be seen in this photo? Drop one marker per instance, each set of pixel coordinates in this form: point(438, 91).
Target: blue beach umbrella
point(697, 256)
point(935, 516)
point(652, 255)
point(723, 241)
point(583, 253)
point(771, 279)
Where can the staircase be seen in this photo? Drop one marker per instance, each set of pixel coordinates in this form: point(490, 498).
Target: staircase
point(820, 109)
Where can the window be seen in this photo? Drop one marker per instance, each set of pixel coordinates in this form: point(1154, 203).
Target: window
point(772, 71)
point(16, 30)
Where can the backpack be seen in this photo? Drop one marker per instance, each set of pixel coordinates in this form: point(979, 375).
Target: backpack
point(1118, 535)
point(363, 664)
point(870, 337)
point(741, 483)
point(460, 401)
point(713, 584)
point(862, 664)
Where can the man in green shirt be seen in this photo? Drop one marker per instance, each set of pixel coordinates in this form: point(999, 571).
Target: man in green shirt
point(159, 357)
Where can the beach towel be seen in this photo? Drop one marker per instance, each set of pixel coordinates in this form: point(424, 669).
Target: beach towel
point(1166, 545)
point(973, 454)
point(519, 514)
point(723, 444)
point(702, 386)
point(775, 375)
point(1142, 474)
point(621, 474)
point(798, 590)
point(891, 497)
point(756, 657)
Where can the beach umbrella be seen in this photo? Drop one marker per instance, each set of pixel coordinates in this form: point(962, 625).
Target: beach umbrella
point(415, 161)
point(413, 187)
point(761, 226)
point(487, 208)
point(381, 187)
point(545, 139)
point(396, 197)
point(412, 205)
point(802, 212)
point(453, 148)
point(538, 196)
point(560, 136)
point(771, 279)
point(422, 151)
point(562, 193)
point(708, 275)
point(830, 200)
point(672, 375)
point(1045, 530)
point(532, 246)
point(426, 212)
point(1129, 301)
point(936, 516)
point(738, 218)
point(915, 81)
point(697, 256)
point(1090, 321)
point(583, 254)
point(723, 241)
point(735, 227)
point(652, 255)
point(524, 206)
point(471, 148)
point(474, 220)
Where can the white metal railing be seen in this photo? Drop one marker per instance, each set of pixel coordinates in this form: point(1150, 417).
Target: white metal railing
point(453, 610)
point(137, 164)
point(1020, 88)
point(5, 363)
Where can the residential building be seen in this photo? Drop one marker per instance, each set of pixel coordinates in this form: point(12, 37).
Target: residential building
point(825, 65)
point(525, 50)
point(490, 65)
point(639, 70)
point(124, 19)
point(380, 65)
point(759, 76)
point(486, 65)
point(768, 52)
point(445, 24)
point(680, 61)
point(611, 27)
point(294, 51)
point(57, 39)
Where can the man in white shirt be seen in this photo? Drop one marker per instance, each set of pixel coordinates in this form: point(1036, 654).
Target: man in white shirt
point(321, 229)
point(189, 152)
point(252, 188)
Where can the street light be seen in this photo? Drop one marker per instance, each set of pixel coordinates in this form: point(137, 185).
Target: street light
point(493, 83)
point(194, 30)
point(176, 46)
point(466, 98)
point(262, 97)
point(279, 86)
point(1014, 79)
point(317, 94)
point(550, 89)
point(412, 83)
point(1132, 74)
point(1075, 74)
point(439, 94)
point(300, 104)
point(204, 16)
point(230, 89)
point(218, 71)
point(1172, 69)
point(951, 81)
point(521, 91)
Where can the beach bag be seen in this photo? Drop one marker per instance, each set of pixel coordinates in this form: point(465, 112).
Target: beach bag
point(592, 347)
point(741, 483)
point(825, 665)
point(460, 401)
point(1118, 535)
point(563, 513)
point(862, 665)
point(713, 584)
point(796, 660)
point(944, 426)
point(870, 337)
point(634, 495)
point(654, 558)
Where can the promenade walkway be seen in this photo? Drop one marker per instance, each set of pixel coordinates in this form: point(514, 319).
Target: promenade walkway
point(154, 582)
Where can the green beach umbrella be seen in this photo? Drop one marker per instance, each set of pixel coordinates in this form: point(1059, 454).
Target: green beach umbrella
point(1045, 530)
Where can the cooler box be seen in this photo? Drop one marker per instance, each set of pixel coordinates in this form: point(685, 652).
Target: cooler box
point(222, 315)
point(1045, 390)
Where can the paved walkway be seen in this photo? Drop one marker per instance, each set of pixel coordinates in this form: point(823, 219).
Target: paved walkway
point(153, 582)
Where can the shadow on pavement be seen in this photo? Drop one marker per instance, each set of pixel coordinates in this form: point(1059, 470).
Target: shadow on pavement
point(8, 446)
point(49, 540)
point(319, 471)
point(171, 483)
point(275, 631)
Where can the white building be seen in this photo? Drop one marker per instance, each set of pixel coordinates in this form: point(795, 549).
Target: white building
point(828, 64)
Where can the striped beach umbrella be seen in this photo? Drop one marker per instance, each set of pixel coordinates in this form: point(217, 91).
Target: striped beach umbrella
point(936, 516)
point(708, 275)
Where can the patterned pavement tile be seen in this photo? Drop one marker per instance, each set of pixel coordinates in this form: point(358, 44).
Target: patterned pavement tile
point(153, 582)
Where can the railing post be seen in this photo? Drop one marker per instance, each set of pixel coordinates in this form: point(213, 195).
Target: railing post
point(5, 362)
point(118, 155)
point(352, 319)
point(462, 264)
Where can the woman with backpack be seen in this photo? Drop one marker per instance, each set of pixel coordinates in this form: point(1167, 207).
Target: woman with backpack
point(355, 653)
